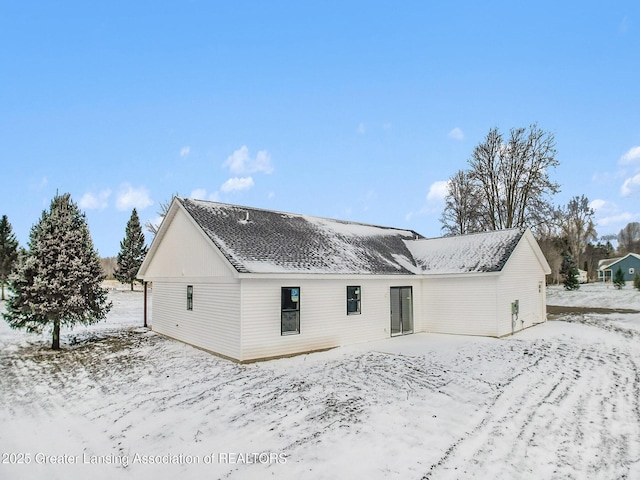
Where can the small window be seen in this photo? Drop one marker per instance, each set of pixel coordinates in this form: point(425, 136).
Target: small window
point(353, 300)
point(290, 316)
point(189, 297)
point(632, 270)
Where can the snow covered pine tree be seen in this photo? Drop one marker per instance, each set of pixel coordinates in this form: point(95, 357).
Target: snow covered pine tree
point(618, 279)
point(58, 281)
point(132, 251)
point(569, 272)
point(8, 251)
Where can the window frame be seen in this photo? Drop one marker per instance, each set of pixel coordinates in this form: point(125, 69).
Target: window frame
point(357, 300)
point(190, 298)
point(632, 270)
point(289, 312)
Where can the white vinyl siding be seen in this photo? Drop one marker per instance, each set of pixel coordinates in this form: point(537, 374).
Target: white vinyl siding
point(185, 252)
point(214, 322)
point(520, 281)
point(464, 304)
point(324, 322)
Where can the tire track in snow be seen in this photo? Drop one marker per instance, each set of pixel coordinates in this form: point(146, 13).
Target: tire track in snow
point(536, 427)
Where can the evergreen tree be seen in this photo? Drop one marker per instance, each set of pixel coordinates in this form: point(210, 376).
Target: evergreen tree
point(636, 281)
point(8, 251)
point(58, 279)
point(618, 279)
point(569, 272)
point(132, 251)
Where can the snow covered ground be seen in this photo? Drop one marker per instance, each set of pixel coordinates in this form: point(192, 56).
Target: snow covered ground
point(602, 295)
point(560, 400)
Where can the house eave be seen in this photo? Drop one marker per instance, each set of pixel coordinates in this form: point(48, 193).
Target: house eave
point(363, 276)
point(323, 276)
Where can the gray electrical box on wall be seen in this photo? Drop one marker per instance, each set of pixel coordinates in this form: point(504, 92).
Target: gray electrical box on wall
point(515, 307)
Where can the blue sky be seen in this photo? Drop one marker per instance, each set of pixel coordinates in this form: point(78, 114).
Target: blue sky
point(354, 110)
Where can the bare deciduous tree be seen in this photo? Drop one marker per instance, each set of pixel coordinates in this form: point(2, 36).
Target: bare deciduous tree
point(460, 214)
point(552, 247)
point(509, 181)
point(164, 208)
point(576, 224)
point(629, 238)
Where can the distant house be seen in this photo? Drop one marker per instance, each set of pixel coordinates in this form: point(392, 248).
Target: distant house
point(629, 264)
point(250, 284)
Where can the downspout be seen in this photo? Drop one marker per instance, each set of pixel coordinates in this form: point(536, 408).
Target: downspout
point(145, 304)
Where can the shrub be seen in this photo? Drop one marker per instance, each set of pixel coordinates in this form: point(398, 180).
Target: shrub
point(618, 279)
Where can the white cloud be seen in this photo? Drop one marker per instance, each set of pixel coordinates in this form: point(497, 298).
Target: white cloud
point(624, 25)
point(456, 134)
point(438, 191)
point(38, 184)
point(630, 185)
point(237, 183)
point(609, 213)
point(130, 197)
point(184, 151)
point(622, 217)
point(598, 204)
point(201, 194)
point(240, 162)
point(262, 163)
point(434, 200)
point(362, 128)
point(198, 194)
point(632, 156)
point(91, 201)
point(367, 199)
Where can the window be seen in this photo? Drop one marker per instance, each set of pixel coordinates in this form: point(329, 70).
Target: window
point(290, 317)
point(353, 300)
point(189, 297)
point(632, 270)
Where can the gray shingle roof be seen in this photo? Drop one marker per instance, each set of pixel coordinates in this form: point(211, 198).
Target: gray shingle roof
point(477, 252)
point(264, 241)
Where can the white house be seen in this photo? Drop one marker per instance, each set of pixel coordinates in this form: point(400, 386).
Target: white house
point(250, 284)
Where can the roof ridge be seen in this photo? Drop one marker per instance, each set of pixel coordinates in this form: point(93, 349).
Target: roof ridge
point(302, 215)
point(486, 232)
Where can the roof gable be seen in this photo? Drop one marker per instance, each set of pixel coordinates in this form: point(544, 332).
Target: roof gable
point(181, 249)
point(608, 263)
point(264, 241)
